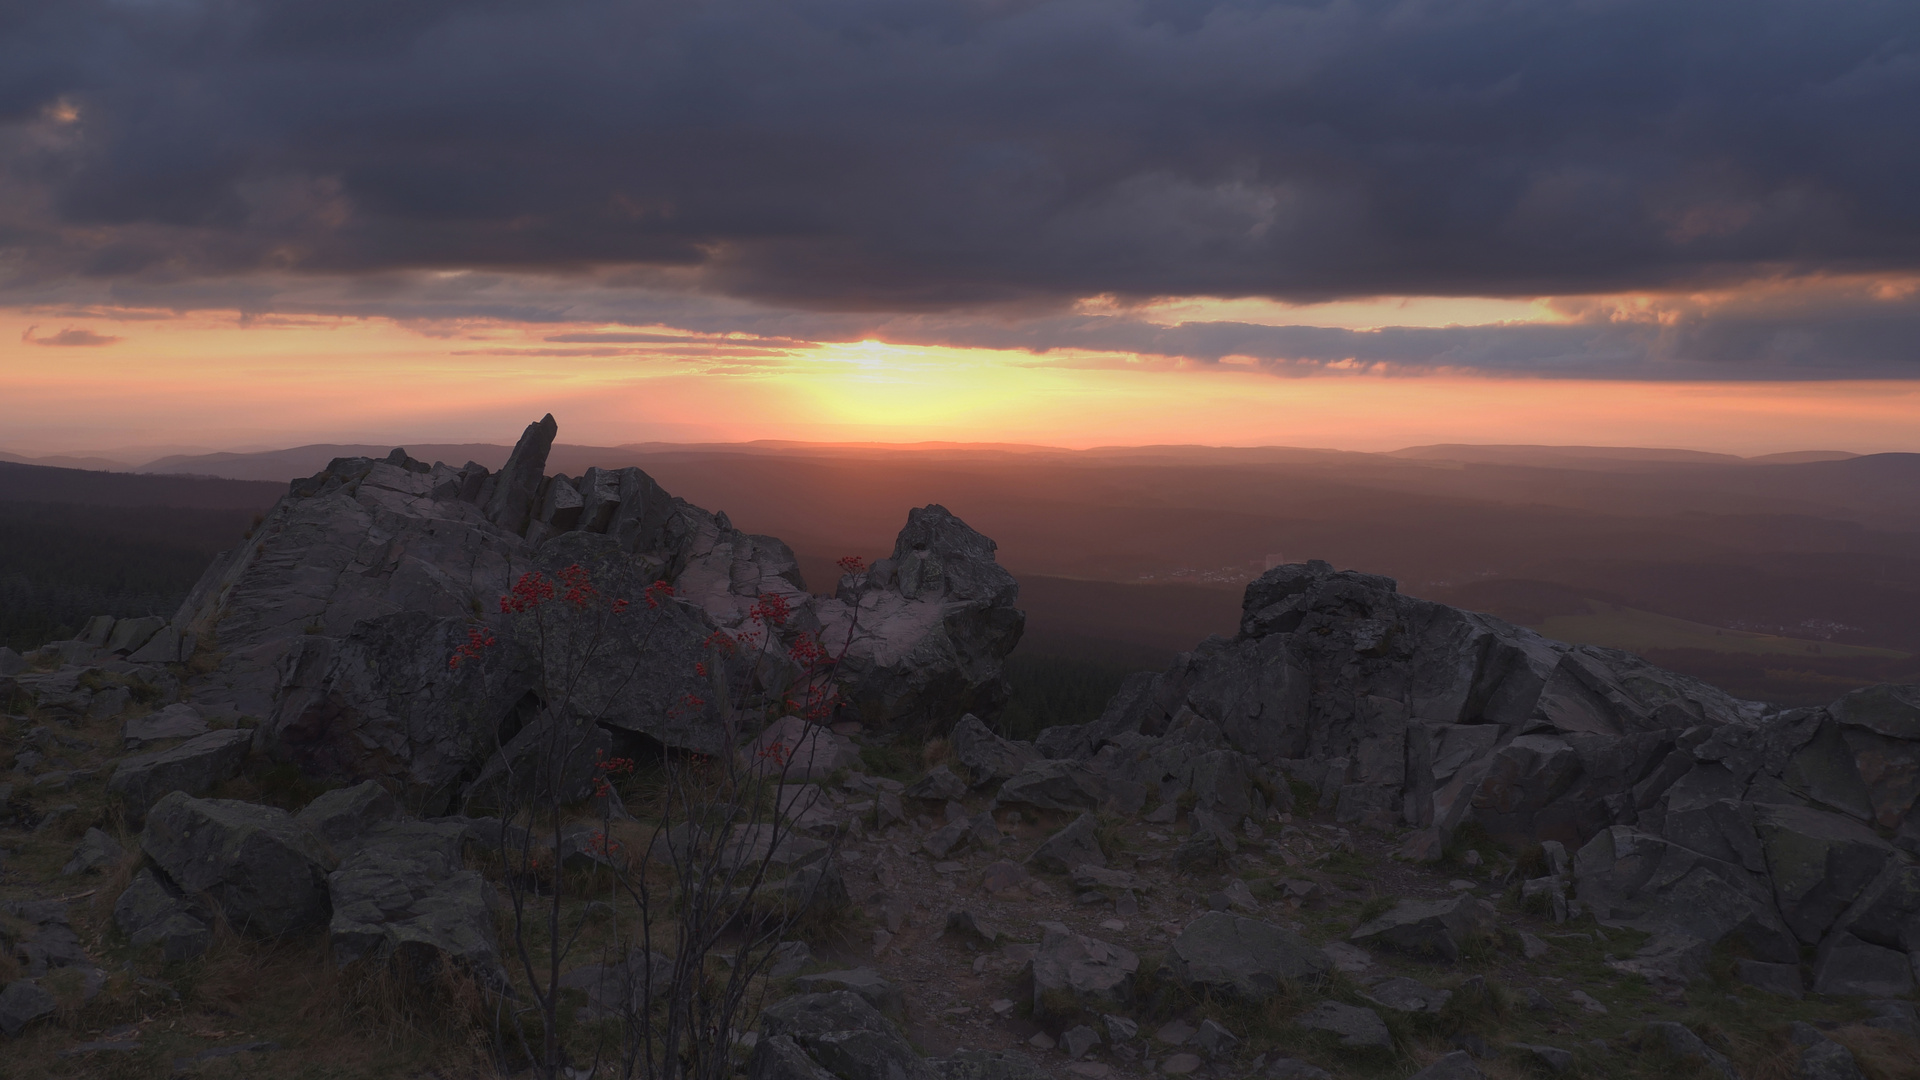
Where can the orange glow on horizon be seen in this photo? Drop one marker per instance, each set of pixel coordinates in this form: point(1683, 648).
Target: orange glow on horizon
point(216, 382)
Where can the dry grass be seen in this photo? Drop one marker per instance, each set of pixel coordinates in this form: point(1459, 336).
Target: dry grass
point(1881, 1054)
point(935, 752)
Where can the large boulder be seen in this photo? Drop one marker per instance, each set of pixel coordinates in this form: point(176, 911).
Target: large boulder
point(1076, 845)
point(1441, 928)
point(987, 1065)
point(1848, 966)
point(1075, 971)
point(1053, 785)
point(343, 817)
point(195, 767)
point(1226, 953)
point(39, 935)
point(986, 758)
point(840, 1034)
point(95, 853)
point(177, 721)
point(1630, 878)
point(266, 873)
point(149, 912)
point(926, 629)
point(1819, 863)
point(1357, 1028)
point(414, 905)
point(21, 1003)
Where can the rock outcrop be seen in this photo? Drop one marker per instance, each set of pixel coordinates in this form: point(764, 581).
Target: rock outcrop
point(333, 625)
point(1691, 814)
point(266, 873)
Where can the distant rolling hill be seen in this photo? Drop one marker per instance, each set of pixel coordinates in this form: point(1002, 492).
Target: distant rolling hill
point(1129, 554)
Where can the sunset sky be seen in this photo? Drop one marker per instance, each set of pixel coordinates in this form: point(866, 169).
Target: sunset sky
point(1345, 223)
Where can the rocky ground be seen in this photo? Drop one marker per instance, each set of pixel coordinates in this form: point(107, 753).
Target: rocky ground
point(1368, 835)
point(1089, 944)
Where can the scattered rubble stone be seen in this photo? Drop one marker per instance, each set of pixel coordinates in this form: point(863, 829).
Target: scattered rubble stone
point(21, 1003)
point(194, 768)
point(1226, 953)
point(1430, 927)
point(1075, 845)
point(96, 852)
point(1084, 971)
point(866, 982)
point(1358, 1028)
point(267, 874)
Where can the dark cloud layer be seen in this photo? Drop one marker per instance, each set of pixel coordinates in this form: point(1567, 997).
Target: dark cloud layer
point(929, 155)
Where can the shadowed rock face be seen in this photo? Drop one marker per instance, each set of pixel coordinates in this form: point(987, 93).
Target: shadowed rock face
point(1696, 816)
point(334, 623)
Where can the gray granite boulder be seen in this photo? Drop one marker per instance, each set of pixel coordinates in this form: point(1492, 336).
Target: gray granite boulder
point(1819, 862)
point(96, 852)
point(1820, 1057)
point(1639, 880)
point(149, 912)
point(1408, 996)
point(21, 1003)
point(987, 1065)
point(176, 721)
point(1074, 845)
point(780, 1058)
point(343, 817)
point(1047, 784)
point(266, 873)
point(1357, 1028)
point(1458, 1065)
point(40, 936)
point(939, 785)
point(1072, 970)
point(1848, 966)
point(414, 905)
point(1680, 1041)
point(841, 1034)
point(866, 982)
point(1441, 928)
point(986, 758)
point(1225, 953)
point(194, 767)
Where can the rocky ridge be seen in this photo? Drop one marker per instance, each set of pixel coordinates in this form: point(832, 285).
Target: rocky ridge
point(1367, 835)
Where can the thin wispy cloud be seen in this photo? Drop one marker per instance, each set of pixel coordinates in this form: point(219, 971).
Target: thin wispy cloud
point(71, 336)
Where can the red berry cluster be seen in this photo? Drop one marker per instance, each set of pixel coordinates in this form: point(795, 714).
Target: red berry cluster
point(479, 640)
point(528, 593)
point(772, 610)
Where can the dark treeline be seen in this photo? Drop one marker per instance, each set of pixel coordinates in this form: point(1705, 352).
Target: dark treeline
point(61, 563)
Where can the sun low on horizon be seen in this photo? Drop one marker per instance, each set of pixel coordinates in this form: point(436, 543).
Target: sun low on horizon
point(127, 380)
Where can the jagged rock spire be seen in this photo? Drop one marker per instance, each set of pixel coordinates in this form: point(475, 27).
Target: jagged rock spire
point(519, 480)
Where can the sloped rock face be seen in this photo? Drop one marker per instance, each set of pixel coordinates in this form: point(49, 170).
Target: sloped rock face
point(333, 625)
point(1694, 815)
point(267, 874)
point(1245, 957)
point(927, 629)
point(1411, 712)
point(416, 905)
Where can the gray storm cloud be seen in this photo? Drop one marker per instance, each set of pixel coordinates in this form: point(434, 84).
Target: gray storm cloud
point(930, 162)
